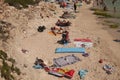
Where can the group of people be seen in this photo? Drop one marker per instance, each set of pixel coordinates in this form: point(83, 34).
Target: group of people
point(56, 30)
point(64, 4)
point(61, 30)
point(65, 35)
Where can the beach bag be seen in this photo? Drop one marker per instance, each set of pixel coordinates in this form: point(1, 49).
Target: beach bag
point(41, 28)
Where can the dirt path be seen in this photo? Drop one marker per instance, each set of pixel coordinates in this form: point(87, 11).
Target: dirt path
point(87, 22)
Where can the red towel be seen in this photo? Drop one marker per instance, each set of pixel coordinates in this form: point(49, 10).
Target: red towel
point(70, 73)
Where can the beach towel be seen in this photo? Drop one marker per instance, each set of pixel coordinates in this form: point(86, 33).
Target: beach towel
point(82, 73)
point(108, 68)
point(37, 66)
point(59, 72)
point(55, 73)
point(56, 34)
point(69, 74)
point(70, 50)
point(66, 60)
point(79, 42)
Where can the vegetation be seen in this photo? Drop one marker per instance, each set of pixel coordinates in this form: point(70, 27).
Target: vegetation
point(6, 72)
point(3, 55)
point(111, 24)
point(17, 70)
point(11, 60)
point(4, 35)
point(6, 69)
point(4, 31)
point(103, 14)
point(21, 3)
point(114, 26)
point(95, 9)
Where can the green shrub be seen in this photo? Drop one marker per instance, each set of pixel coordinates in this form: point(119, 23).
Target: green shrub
point(95, 9)
point(12, 68)
point(19, 3)
point(3, 55)
point(11, 60)
point(103, 13)
point(114, 26)
point(17, 70)
point(6, 71)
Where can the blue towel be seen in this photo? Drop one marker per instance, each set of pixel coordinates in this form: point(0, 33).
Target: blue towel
point(70, 50)
point(37, 66)
point(82, 73)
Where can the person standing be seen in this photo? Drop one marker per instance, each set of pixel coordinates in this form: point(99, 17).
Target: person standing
point(75, 6)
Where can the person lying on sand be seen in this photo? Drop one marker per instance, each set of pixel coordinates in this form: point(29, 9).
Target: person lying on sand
point(56, 30)
point(40, 62)
point(63, 23)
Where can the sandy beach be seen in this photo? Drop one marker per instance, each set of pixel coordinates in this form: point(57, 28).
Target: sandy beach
point(43, 45)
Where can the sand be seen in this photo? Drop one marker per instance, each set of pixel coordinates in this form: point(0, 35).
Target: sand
point(43, 45)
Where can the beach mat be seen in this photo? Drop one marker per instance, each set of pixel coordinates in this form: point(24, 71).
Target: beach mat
point(70, 50)
point(66, 60)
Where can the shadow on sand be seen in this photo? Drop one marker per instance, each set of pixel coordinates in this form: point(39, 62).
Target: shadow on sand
point(118, 30)
point(116, 40)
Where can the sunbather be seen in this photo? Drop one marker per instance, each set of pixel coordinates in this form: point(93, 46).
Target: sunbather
point(40, 62)
point(53, 30)
point(63, 23)
point(65, 38)
point(58, 22)
point(56, 30)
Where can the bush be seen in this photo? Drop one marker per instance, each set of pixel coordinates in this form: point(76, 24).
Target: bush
point(95, 9)
point(3, 55)
point(11, 60)
point(4, 31)
point(6, 71)
point(17, 70)
point(12, 68)
point(19, 3)
point(104, 14)
point(114, 26)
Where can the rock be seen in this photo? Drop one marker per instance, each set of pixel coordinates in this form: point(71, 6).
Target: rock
point(25, 66)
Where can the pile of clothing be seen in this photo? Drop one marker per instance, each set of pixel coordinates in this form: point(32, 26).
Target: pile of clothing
point(41, 28)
